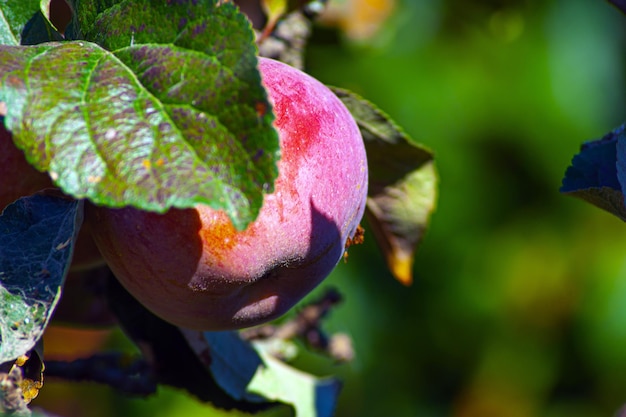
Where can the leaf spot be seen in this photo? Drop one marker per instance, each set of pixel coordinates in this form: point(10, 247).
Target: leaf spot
point(110, 134)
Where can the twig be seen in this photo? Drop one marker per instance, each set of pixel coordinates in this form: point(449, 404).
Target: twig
point(114, 369)
point(306, 325)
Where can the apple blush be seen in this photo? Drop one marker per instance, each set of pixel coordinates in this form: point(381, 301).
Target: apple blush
point(192, 268)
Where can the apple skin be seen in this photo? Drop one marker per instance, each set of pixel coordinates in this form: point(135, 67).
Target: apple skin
point(17, 177)
point(192, 268)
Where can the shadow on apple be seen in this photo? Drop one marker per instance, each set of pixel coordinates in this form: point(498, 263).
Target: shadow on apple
point(164, 262)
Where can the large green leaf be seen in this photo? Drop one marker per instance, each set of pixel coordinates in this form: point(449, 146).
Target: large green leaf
point(225, 78)
point(216, 29)
point(402, 190)
point(154, 126)
point(37, 236)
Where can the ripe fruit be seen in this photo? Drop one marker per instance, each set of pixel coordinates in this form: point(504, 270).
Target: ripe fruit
point(194, 269)
point(17, 177)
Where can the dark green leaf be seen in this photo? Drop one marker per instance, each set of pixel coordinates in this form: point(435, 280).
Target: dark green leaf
point(595, 166)
point(39, 30)
point(157, 126)
point(309, 395)
point(218, 31)
point(36, 241)
point(246, 371)
point(233, 362)
point(605, 198)
point(85, 14)
point(402, 189)
point(597, 171)
point(25, 22)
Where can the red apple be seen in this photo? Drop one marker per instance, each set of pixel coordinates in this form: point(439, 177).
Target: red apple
point(17, 177)
point(194, 269)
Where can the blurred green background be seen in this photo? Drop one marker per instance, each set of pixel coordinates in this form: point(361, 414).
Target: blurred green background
point(519, 303)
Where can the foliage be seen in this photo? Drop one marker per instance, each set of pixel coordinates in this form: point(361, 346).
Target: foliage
point(159, 105)
point(38, 234)
point(136, 118)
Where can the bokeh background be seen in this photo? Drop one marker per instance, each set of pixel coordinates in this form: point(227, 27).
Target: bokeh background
point(518, 308)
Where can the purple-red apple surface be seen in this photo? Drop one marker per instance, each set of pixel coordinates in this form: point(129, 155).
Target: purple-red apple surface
point(17, 177)
point(192, 268)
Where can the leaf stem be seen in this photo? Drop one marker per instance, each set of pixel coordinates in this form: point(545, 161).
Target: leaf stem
point(132, 377)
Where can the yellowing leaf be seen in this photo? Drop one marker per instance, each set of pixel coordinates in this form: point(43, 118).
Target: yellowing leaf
point(274, 8)
point(359, 19)
point(399, 216)
point(402, 189)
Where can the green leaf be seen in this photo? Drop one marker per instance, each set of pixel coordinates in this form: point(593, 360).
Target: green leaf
point(217, 30)
point(37, 236)
point(246, 371)
point(85, 13)
point(232, 361)
point(25, 22)
point(402, 191)
point(153, 126)
point(309, 395)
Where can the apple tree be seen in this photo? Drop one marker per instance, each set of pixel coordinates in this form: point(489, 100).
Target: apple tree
point(143, 147)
